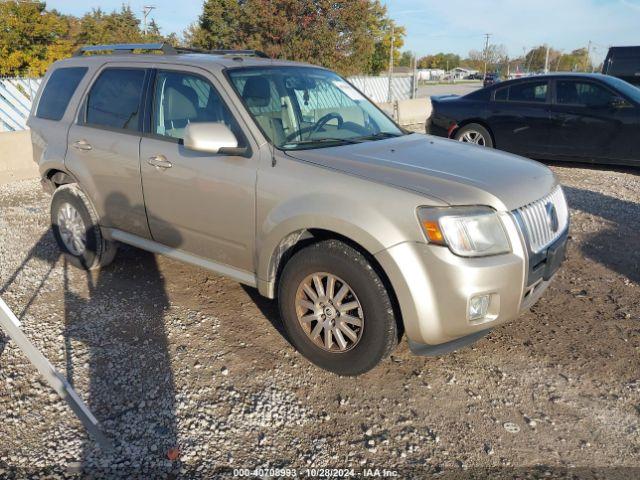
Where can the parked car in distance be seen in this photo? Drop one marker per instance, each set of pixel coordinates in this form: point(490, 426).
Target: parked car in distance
point(490, 79)
point(624, 63)
point(584, 117)
point(284, 177)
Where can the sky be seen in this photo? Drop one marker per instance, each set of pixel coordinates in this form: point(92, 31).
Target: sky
point(456, 25)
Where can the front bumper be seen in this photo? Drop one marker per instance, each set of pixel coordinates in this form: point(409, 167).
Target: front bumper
point(433, 287)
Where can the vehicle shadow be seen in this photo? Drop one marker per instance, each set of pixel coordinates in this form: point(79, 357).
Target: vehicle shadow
point(117, 358)
point(615, 247)
point(269, 309)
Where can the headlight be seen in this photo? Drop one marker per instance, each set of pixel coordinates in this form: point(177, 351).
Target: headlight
point(467, 231)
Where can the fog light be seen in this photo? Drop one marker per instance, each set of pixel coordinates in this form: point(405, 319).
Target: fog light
point(479, 307)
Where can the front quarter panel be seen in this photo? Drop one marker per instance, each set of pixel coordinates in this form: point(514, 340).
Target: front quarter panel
point(295, 196)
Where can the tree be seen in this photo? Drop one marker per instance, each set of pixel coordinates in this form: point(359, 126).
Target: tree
point(98, 27)
point(494, 56)
point(31, 38)
point(406, 59)
point(345, 35)
point(443, 61)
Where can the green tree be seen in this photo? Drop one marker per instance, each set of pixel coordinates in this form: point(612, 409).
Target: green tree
point(444, 61)
point(31, 38)
point(98, 27)
point(341, 34)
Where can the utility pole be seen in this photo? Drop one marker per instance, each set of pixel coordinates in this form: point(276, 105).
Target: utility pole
point(486, 53)
point(546, 60)
point(146, 10)
point(586, 60)
point(393, 40)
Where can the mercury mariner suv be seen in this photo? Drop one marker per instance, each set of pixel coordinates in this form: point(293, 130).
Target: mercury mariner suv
point(285, 177)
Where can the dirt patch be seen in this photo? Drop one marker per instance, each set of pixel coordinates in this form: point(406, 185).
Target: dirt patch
point(171, 356)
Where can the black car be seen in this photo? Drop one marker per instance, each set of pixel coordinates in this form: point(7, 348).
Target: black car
point(624, 63)
point(587, 117)
point(490, 79)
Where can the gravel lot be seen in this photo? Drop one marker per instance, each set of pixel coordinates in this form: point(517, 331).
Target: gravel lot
point(170, 357)
point(448, 88)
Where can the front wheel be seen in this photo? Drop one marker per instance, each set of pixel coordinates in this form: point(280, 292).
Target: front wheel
point(475, 134)
point(336, 309)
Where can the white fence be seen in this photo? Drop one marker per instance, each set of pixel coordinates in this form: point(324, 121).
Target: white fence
point(16, 95)
point(377, 88)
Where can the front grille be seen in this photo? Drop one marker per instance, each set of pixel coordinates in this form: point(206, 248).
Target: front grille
point(538, 219)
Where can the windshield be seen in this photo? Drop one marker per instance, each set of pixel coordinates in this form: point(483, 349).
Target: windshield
point(304, 107)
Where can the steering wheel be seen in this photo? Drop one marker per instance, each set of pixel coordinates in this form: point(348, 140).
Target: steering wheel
point(324, 120)
point(318, 125)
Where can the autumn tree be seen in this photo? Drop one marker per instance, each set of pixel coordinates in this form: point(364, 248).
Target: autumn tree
point(31, 38)
point(345, 35)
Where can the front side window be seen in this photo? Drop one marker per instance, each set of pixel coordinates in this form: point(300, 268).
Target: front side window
point(306, 107)
point(115, 99)
point(57, 93)
point(181, 98)
point(529, 92)
point(586, 94)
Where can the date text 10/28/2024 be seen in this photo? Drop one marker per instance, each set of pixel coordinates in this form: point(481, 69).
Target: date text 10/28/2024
point(315, 473)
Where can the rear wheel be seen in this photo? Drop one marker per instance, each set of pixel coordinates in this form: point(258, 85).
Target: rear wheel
point(475, 134)
point(336, 309)
point(76, 230)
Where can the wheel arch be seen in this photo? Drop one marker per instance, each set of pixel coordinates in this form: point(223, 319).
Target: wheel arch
point(302, 238)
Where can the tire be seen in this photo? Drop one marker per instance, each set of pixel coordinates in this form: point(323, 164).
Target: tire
point(73, 217)
point(377, 334)
point(475, 134)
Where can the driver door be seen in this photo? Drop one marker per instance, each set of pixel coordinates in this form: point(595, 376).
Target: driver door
point(200, 203)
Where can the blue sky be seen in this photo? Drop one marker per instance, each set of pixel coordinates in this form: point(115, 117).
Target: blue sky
point(457, 25)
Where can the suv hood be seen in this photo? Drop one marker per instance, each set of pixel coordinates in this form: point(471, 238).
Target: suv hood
point(446, 170)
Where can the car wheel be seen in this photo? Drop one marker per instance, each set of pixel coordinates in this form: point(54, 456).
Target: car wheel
point(475, 134)
point(76, 230)
point(336, 309)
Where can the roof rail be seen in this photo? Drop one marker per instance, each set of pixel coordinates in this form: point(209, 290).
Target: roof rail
point(165, 48)
point(238, 53)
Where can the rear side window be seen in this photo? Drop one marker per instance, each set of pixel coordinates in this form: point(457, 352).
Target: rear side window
point(58, 92)
point(535, 92)
point(115, 99)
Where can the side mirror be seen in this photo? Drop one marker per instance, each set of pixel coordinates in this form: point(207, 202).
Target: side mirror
point(618, 102)
point(211, 137)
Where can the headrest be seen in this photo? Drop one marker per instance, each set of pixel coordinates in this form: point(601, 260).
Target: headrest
point(180, 102)
point(256, 92)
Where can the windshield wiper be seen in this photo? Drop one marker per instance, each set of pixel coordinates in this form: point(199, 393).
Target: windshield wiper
point(324, 140)
point(379, 136)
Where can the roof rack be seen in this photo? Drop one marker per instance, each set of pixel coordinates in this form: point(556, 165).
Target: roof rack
point(165, 48)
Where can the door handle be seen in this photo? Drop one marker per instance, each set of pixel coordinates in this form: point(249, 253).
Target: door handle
point(82, 145)
point(160, 162)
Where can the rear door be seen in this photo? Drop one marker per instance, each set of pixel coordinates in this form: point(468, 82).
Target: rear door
point(104, 147)
point(519, 117)
point(201, 203)
point(588, 124)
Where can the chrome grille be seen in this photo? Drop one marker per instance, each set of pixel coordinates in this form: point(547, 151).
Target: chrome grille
point(538, 219)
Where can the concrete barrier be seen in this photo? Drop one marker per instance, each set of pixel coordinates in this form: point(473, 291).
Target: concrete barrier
point(16, 157)
point(414, 111)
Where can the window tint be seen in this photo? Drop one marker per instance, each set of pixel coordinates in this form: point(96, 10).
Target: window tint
point(572, 92)
point(528, 92)
point(58, 92)
point(181, 99)
point(114, 100)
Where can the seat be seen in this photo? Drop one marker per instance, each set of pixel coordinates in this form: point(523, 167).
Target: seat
point(180, 107)
point(257, 95)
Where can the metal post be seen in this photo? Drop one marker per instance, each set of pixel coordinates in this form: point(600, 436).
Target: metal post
point(486, 54)
point(393, 40)
point(10, 323)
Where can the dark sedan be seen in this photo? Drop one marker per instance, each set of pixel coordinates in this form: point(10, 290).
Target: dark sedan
point(585, 117)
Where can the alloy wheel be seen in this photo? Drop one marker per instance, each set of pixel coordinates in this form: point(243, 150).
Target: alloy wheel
point(72, 229)
point(329, 312)
point(473, 136)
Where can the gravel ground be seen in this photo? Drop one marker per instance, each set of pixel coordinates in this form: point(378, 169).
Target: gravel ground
point(190, 375)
